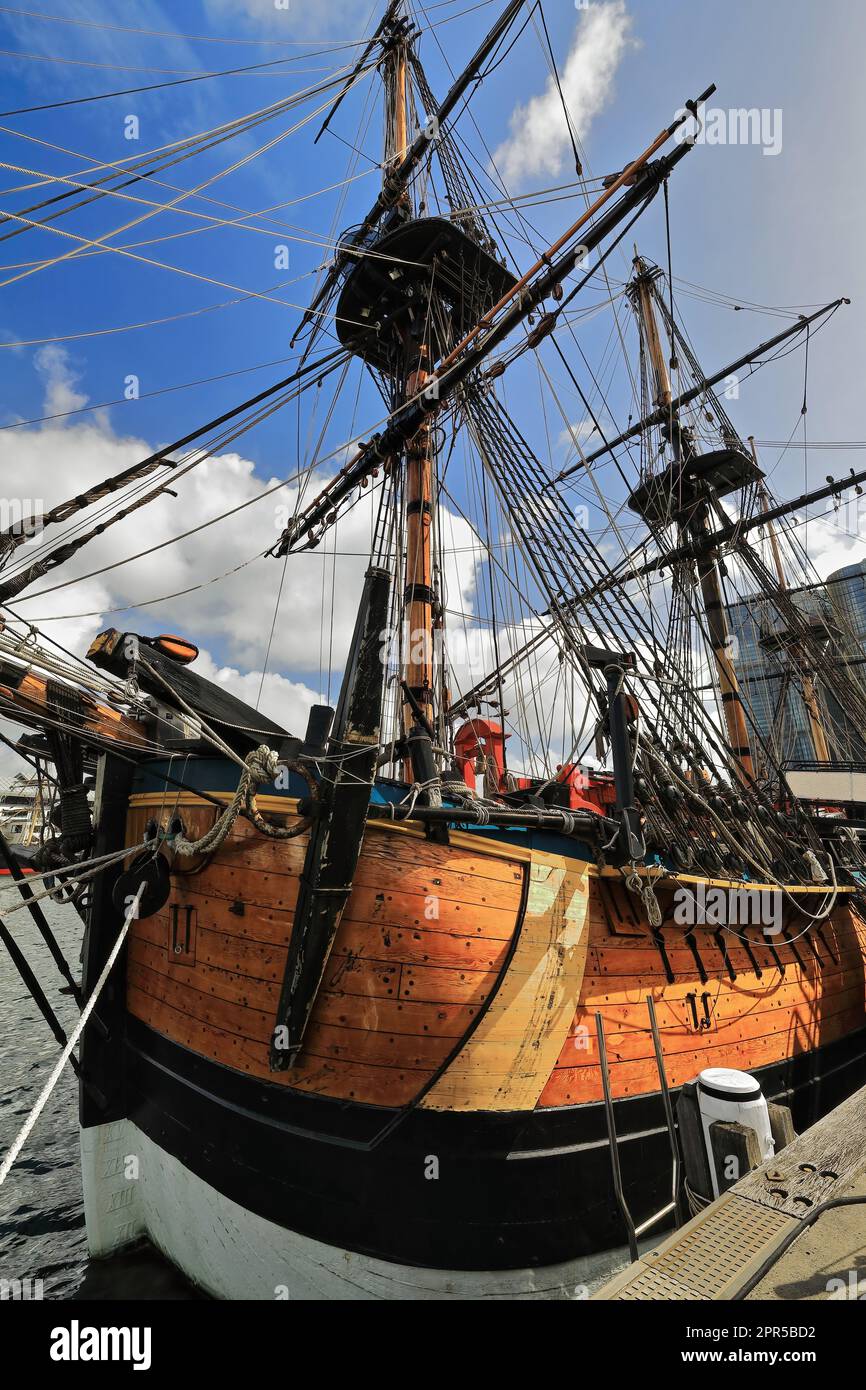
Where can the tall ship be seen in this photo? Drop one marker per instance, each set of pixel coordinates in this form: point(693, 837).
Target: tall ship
point(21, 811)
point(361, 1001)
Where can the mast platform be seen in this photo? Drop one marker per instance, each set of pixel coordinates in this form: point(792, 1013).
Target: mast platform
point(393, 275)
point(670, 496)
point(788, 638)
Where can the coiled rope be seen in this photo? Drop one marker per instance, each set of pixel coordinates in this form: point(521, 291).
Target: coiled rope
point(645, 890)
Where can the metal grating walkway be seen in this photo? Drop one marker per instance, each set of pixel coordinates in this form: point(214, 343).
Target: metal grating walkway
point(709, 1258)
point(712, 1256)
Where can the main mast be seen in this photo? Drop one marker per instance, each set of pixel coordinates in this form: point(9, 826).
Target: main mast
point(418, 595)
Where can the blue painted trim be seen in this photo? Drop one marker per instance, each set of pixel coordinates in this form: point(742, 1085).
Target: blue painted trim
point(220, 775)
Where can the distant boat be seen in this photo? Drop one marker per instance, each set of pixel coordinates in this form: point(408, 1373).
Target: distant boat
point(21, 819)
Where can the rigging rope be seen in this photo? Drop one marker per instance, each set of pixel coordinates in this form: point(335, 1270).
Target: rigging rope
point(57, 1071)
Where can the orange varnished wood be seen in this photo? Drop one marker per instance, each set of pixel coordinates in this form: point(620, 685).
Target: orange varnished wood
point(382, 1085)
point(377, 1047)
point(209, 979)
point(370, 1009)
point(572, 1086)
point(633, 1041)
point(628, 1007)
point(418, 951)
point(417, 946)
point(402, 986)
point(30, 697)
point(753, 1022)
point(267, 914)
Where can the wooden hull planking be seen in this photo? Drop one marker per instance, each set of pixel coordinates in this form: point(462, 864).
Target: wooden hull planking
point(467, 976)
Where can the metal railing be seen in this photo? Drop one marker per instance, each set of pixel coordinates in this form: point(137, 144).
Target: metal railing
point(675, 1205)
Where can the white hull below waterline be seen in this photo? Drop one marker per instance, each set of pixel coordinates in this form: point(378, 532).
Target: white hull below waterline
point(231, 1253)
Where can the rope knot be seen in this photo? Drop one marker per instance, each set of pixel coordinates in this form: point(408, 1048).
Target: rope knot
point(263, 764)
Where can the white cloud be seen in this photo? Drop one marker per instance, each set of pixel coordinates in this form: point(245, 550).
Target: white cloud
point(539, 140)
point(287, 702)
point(291, 19)
point(53, 365)
point(832, 544)
point(233, 616)
point(577, 433)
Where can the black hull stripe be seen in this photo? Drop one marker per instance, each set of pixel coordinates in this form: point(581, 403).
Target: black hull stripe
point(730, 1096)
point(306, 1163)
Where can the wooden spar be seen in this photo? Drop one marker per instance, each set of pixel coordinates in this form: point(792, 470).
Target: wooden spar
point(657, 417)
point(29, 696)
point(690, 549)
point(63, 552)
point(520, 294)
point(338, 831)
point(405, 422)
point(698, 526)
point(625, 177)
point(461, 705)
point(810, 697)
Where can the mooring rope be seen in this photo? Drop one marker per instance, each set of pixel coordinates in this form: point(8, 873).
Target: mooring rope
point(67, 872)
point(45, 1093)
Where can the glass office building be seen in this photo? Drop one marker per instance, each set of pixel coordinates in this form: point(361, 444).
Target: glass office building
point(775, 711)
point(846, 592)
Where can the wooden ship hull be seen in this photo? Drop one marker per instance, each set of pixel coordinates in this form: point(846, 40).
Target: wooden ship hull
point(361, 1055)
point(443, 1132)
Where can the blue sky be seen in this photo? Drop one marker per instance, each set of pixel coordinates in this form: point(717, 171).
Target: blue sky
point(782, 229)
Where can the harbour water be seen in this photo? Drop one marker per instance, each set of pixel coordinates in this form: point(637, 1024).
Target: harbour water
point(42, 1234)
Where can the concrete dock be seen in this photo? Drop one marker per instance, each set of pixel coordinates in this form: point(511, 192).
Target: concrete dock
point(767, 1218)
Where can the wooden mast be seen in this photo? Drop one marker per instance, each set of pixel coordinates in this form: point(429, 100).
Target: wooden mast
point(651, 338)
point(698, 526)
point(401, 123)
point(418, 594)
